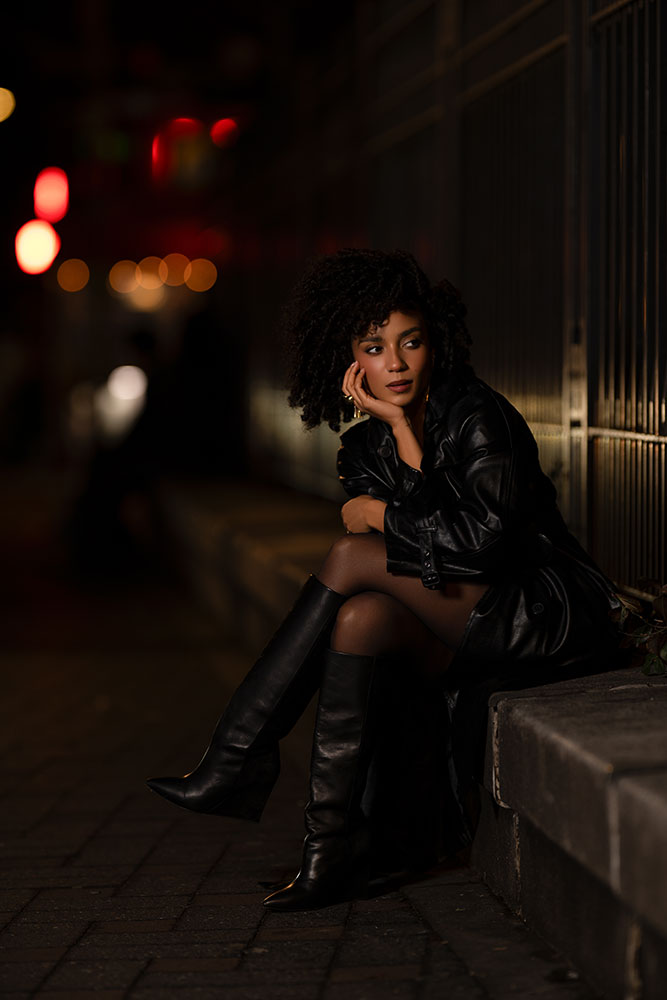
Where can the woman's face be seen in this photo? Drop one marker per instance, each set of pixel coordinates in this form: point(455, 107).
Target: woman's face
point(398, 359)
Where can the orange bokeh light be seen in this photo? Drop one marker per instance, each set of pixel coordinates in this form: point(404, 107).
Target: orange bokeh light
point(73, 275)
point(200, 275)
point(37, 245)
point(149, 272)
point(123, 276)
point(173, 269)
point(51, 194)
point(224, 132)
point(7, 103)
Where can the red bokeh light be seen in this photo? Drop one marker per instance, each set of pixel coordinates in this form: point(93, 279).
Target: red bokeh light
point(183, 127)
point(224, 132)
point(215, 242)
point(163, 149)
point(51, 194)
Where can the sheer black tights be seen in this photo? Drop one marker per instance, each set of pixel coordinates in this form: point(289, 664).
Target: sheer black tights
point(386, 612)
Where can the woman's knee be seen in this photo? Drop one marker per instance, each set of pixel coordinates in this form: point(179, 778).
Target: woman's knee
point(364, 624)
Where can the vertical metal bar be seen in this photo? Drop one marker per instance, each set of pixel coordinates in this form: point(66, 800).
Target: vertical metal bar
point(628, 455)
point(632, 16)
point(605, 490)
point(621, 153)
point(642, 507)
point(601, 84)
point(658, 228)
point(638, 408)
point(661, 520)
point(618, 494)
point(635, 512)
point(620, 515)
point(633, 465)
point(613, 184)
point(610, 485)
point(646, 116)
point(648, 547)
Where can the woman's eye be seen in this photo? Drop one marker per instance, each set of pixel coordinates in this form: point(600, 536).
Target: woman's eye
point(413, 342)
point(373, 350)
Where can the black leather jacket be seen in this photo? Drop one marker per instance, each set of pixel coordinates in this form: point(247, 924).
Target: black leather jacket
point(481, 509)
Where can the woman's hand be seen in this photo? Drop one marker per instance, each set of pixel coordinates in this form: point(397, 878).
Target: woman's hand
point(409, 448)
point(363, 513)
point(353, 385)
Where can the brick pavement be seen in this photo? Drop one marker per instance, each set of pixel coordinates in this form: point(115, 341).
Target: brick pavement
point(110, 892)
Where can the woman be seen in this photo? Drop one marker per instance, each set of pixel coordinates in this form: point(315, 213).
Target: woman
point(455, 556)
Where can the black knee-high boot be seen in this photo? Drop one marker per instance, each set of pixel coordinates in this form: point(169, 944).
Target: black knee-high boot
point(242, 763)
point(335, 862)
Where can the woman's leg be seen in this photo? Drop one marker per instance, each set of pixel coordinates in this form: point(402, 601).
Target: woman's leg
point(375, 624)
point(357, 564)
point(240, 767)
point(375, 619)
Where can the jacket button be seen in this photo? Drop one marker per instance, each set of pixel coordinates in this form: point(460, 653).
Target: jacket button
point(384, 451)
point(537, 609)
point(396, 503)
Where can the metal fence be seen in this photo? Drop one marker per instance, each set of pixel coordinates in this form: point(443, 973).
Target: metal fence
point(628, 355)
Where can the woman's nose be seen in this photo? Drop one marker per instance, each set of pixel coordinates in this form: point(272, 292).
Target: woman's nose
point(395, 363)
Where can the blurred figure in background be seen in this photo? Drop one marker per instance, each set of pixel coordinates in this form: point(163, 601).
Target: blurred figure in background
point(181, 430)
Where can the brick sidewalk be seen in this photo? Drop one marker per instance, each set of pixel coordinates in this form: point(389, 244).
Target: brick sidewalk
point(108, 891)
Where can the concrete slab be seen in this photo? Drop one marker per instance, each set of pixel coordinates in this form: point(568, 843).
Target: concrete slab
point(555, 759)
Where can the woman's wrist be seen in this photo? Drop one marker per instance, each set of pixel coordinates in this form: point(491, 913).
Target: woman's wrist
point(409, 448)
point(402, 423)
point(375, 514)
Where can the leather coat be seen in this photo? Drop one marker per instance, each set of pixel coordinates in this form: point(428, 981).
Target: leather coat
point(482, 509)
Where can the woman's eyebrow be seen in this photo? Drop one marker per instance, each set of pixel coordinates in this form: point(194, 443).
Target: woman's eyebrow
point(371, 336)
point(413, 329)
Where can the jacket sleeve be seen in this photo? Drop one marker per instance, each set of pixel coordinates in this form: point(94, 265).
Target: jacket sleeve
point(457, 521)
point(356, 476)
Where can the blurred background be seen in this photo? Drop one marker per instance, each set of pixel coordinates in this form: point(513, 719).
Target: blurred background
point(168, 170)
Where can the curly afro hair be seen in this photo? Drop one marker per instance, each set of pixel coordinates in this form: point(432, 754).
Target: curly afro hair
point(340, 297)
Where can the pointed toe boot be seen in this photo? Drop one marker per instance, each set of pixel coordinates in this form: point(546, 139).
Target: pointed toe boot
point(242, 763)
point(220, 785)
point(335, 863)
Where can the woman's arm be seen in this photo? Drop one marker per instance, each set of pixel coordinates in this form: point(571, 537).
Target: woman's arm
point(369, 493)
point(460, 522)
point(407, 445)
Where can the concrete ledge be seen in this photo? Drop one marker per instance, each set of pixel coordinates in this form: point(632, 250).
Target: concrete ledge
point(574, 823)
point(573, 830)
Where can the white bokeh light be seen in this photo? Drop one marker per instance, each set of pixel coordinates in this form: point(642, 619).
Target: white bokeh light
point(127, 382)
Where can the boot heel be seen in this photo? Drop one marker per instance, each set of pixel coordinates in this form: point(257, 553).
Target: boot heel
point(341, 884)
